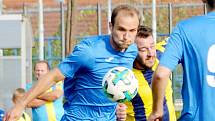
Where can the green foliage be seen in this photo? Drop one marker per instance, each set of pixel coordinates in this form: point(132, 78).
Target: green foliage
point(87, 12)
point(53, 56)
point(56, 48)
point(8, 52)
point(35, 49)
point(11, 52)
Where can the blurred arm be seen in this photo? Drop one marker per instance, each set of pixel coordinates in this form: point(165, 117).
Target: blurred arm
point(51, 96)
point(36, 103)
point(159, 83)
point(42, 85)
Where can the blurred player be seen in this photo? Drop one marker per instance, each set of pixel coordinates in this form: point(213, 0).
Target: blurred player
point(192, 43)
point(49, 105)
point(17, 96)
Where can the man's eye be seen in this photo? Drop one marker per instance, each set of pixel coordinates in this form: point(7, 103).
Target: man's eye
point(133, 30)
point(143, 50)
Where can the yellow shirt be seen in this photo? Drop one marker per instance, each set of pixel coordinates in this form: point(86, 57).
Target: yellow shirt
point(25, 117)
point(141, 106)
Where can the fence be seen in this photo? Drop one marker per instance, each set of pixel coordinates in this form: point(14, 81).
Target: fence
point(92, 20)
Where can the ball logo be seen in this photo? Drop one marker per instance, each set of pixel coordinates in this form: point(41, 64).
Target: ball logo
point(121, 75)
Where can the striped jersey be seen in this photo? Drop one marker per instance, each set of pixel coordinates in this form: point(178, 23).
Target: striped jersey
point(50, 111)
point(140, 106)
point(25, 117)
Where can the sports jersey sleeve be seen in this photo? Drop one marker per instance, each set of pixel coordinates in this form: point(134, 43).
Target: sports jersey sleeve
point(79, 58)
point(173, 53)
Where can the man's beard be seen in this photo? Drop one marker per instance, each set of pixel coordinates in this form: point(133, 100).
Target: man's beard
point(120, 46)
point(141, 66)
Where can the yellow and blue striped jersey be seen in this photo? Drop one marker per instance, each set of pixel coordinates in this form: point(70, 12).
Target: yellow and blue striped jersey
point(50, 111)
point(25, 117)
point(140, 106)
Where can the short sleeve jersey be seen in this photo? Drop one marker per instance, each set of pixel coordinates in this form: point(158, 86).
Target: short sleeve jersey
point(192, 43)
point(140, 106)
point(84, 70)
point(50, 111)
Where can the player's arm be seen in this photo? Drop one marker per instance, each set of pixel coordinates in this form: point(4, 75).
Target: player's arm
point(51, 96)
point(36, 103)
point(42, 85)
point(42, 99)
point(159, 83)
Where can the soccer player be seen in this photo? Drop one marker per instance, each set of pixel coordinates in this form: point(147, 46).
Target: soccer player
point(85, 67)
point(192, 43)
point(17, 96)
point(49, 105)
point(144, 65)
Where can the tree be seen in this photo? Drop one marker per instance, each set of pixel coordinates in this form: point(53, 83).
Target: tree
point(70, 23)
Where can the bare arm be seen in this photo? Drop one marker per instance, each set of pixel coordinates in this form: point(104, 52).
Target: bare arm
point(42, 85)
point(36, 103)
point(42, 99)
point(159, 83)
point(51, 96)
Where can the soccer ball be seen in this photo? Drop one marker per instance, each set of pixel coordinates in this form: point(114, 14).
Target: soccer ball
point(120, 84)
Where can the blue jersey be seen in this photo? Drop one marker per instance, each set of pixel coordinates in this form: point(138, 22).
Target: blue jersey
point(192, 44)
point(84, 70)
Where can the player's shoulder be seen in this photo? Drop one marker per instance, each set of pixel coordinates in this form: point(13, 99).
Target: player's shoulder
point(92, 40)
point(190, 22)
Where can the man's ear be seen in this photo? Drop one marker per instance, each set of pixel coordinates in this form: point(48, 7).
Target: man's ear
point(110, 26)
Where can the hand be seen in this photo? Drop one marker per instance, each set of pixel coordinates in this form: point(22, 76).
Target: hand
point(15, 113)
point(121, 112)
point(155, 117)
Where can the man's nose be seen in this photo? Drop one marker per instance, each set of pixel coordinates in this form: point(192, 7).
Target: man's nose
point(126, 35)
point(150, 52)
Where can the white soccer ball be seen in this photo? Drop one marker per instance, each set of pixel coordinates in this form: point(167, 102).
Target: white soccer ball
point(120, 84)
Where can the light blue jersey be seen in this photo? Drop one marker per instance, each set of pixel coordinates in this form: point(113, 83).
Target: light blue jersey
point(50, 111)
point(84, 69)
point(193, 44)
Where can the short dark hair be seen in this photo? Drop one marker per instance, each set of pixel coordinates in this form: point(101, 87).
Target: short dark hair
point(131, 11)
point(144, 31)
point(211, 3)
point(43, 61)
